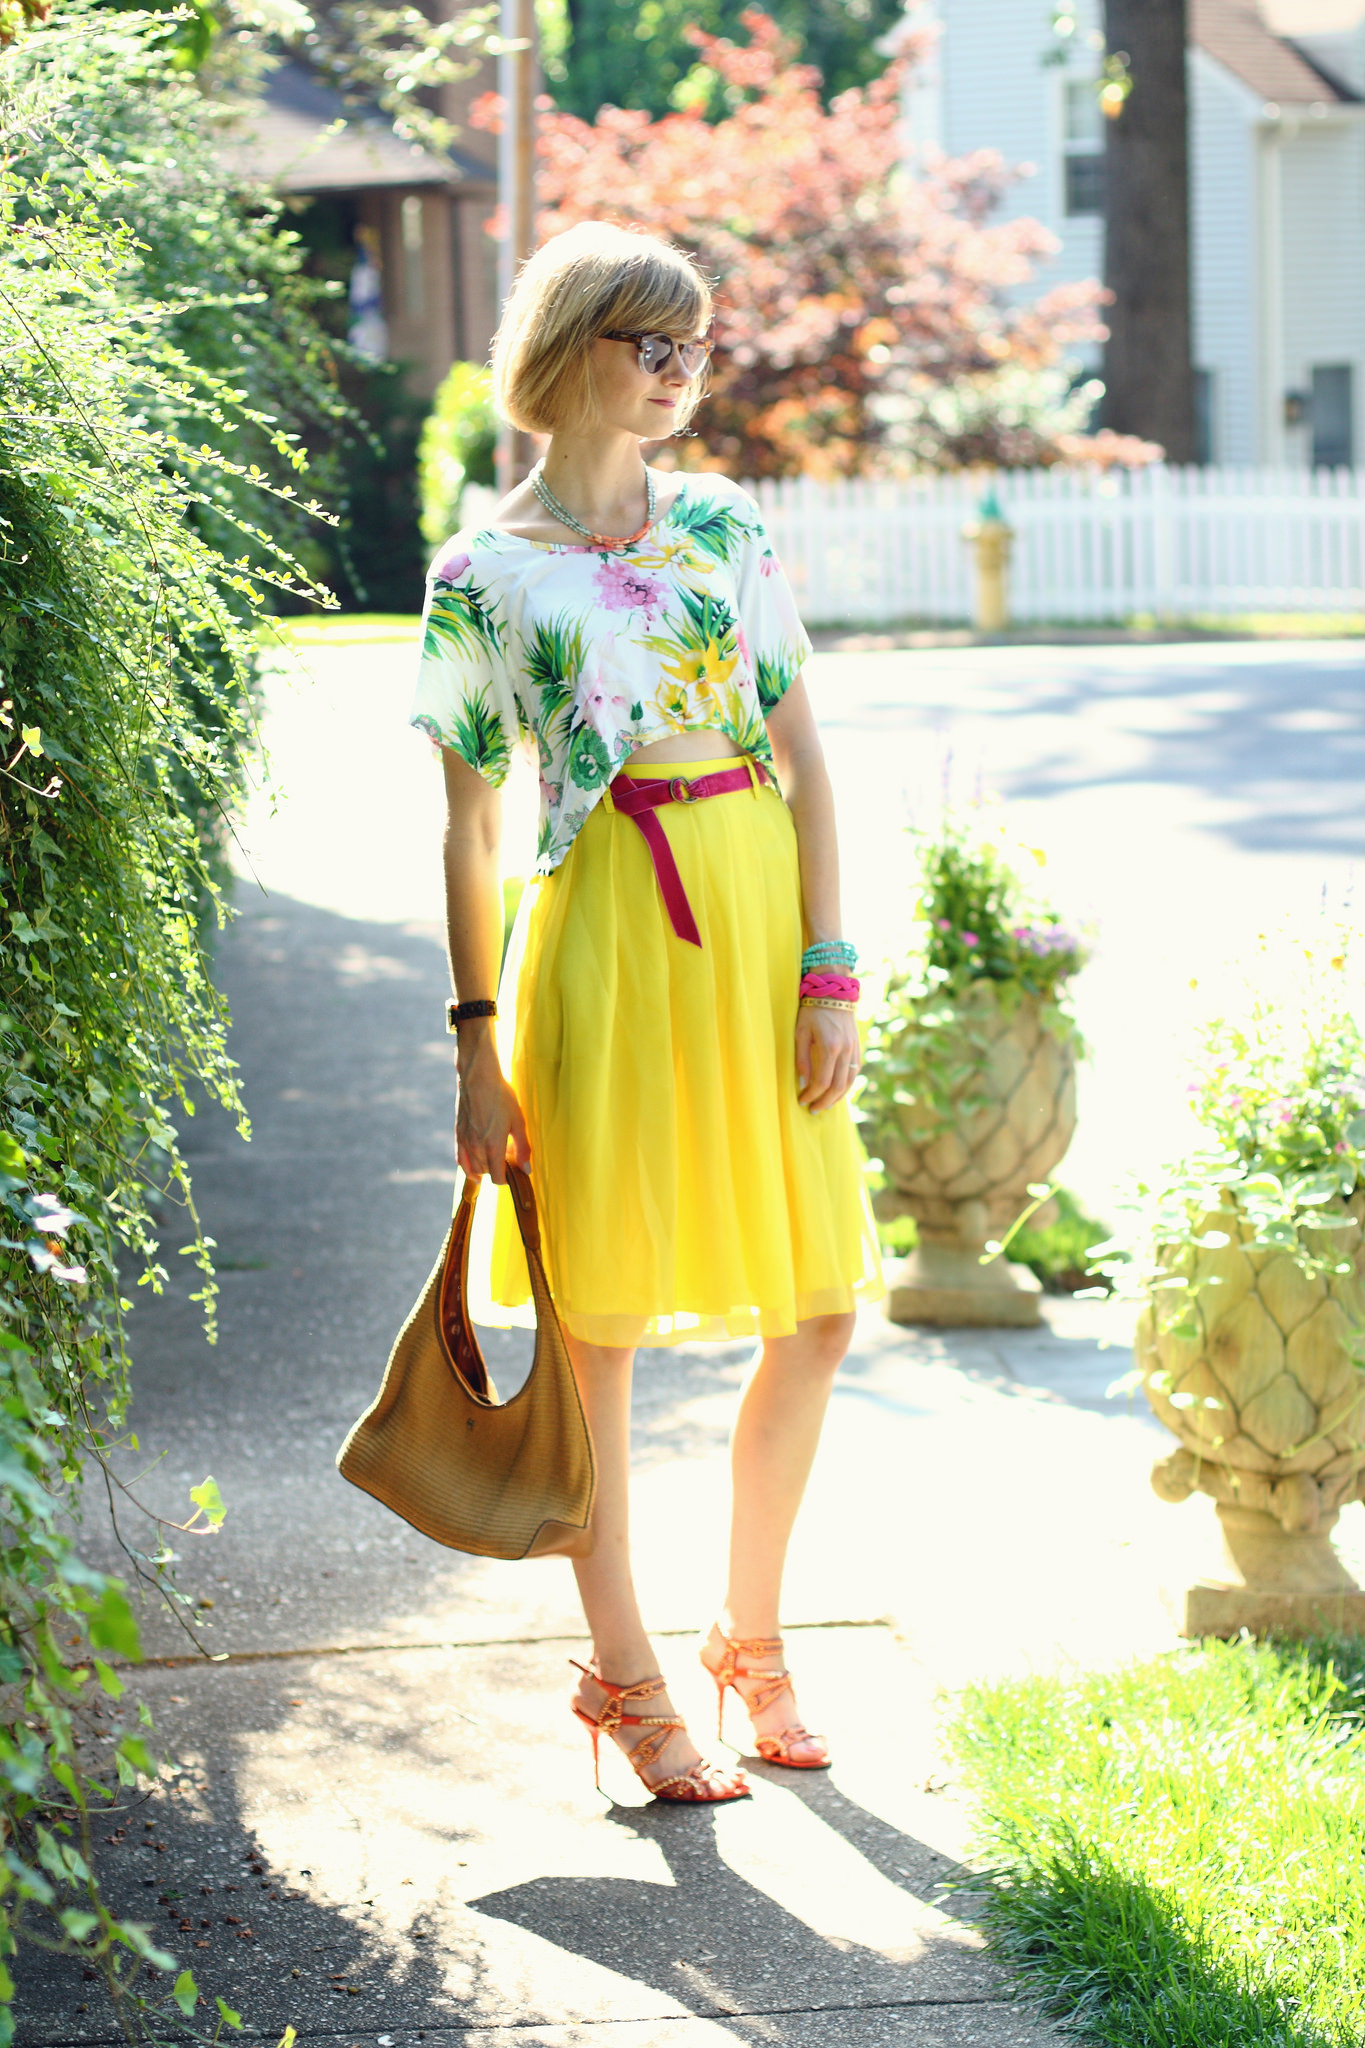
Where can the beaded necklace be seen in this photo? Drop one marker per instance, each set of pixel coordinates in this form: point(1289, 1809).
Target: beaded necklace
point(610, 542)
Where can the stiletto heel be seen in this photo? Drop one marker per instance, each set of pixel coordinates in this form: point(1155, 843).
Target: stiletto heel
point(705, 1784)
point(764, 1688)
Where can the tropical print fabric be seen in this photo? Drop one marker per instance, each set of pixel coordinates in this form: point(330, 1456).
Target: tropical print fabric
point(587, 655)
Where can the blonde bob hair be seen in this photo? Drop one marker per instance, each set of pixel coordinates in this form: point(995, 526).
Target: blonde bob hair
point(591, 278)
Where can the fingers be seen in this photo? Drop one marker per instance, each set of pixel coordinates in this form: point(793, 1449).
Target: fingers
point(820, 1074)
point(483, 1157)
point(520, 1143)
point(500, 1134)
point(846, 1070)
point(828, 1059)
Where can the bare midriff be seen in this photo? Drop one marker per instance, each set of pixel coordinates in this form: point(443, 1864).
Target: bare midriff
point(705, 745)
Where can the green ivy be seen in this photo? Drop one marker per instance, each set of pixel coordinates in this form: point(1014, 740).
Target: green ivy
point(140, 539)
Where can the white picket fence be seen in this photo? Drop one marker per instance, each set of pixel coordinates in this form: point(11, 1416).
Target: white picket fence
point(1089, 546)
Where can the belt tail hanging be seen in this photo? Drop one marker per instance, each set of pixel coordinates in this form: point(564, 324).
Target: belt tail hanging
point(670, 881)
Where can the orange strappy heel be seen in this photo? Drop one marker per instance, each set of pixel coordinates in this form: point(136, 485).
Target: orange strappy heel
point(763, 1688)
point(705, 1784)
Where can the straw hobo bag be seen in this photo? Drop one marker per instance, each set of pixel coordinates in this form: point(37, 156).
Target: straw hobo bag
point(499, 1478)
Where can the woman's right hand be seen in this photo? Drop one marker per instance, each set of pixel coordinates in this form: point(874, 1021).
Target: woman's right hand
point(488, 1120)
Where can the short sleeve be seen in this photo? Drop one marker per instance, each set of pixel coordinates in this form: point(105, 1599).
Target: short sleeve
point(464, 698)
point(778, 642)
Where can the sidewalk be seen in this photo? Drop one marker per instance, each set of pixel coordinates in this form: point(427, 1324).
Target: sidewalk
point(380, 1825)
point(390, 1739)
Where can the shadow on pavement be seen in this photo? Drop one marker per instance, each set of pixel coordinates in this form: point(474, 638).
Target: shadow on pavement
point(255, 1937)
point(721, 1946)
point(1285, 739)
point(1279, 734)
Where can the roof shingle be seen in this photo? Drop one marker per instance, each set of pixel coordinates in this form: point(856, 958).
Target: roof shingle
point(1234, 32)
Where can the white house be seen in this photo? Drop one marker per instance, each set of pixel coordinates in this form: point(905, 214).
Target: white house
point(1277, 145)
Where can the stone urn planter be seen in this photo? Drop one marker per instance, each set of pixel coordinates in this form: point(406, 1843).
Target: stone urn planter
point(964, 1175)
point(1260, 1384)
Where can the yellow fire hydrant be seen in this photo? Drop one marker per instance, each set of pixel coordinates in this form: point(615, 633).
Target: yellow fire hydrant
point(991, 537)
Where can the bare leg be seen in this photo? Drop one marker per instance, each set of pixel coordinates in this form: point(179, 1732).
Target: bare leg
point(621, 1649)
point(777, 1432)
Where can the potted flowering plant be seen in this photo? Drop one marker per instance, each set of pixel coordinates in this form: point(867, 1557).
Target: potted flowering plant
point(969, 1091)
point(1248, 1262)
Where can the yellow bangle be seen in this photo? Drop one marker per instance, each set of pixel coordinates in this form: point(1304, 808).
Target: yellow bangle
point(825, 1003)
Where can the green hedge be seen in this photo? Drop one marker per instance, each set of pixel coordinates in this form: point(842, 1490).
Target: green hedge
point(135, 558)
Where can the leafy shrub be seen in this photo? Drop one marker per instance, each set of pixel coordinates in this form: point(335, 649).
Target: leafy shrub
point(126, 648)
point(1059, 1251)
point(218, 278)
point(1056, 1251)
point(975, 921)
point(1280, 1094)
point(458, 444)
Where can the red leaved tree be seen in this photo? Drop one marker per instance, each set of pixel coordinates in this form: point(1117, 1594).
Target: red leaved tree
point(852, 296)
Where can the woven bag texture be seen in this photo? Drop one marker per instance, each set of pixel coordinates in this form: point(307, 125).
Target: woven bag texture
point(498, 1478)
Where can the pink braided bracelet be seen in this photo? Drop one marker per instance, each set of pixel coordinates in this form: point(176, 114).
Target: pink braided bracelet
point(829, 988)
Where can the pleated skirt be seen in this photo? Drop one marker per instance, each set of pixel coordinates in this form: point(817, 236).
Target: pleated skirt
point(683, 1191)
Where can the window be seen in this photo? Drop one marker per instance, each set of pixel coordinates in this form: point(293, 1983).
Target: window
point(1331, 416)
point(1205, 417)
point(1085, 184)
point(1084, 121)
point(1083, 137)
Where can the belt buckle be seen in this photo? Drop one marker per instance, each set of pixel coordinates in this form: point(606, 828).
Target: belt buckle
point(680, 790)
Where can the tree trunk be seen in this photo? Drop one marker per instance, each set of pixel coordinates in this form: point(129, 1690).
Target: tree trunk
point(1148, 374)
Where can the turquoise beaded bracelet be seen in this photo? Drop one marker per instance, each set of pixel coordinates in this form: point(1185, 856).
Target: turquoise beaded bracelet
point(826, 953)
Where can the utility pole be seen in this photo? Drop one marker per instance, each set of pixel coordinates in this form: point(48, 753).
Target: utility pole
point(516, 189)
point(1148, 367)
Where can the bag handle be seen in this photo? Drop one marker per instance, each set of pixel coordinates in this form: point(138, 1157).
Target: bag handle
point(523, 1202)
point(457, 1331)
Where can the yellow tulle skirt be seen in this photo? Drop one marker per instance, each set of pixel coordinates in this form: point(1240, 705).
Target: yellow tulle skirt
point(683, 1191)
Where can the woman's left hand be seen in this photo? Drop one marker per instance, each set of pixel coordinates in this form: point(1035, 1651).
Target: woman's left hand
point(828, 1056)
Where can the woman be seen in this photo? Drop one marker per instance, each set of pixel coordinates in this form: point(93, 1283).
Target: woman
point(675, 1093)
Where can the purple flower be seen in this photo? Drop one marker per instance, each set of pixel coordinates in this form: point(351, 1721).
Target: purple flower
point(622, 588)
point(970, 939)
point(942, 924)
point(1040, 940)
point(450, 568)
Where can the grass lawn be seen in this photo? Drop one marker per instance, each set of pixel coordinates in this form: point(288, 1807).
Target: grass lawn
point(358, 629)
point(1176, 1851)
point(340, 629)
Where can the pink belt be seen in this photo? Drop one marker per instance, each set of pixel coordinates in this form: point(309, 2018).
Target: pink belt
point(640, 797)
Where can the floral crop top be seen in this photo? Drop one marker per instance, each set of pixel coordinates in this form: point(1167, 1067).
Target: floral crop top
point(592, 654)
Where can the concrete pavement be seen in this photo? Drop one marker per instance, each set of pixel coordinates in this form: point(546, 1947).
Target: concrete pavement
point(380, 1822)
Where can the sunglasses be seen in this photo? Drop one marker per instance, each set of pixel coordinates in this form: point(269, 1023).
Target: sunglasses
point(655, 351)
